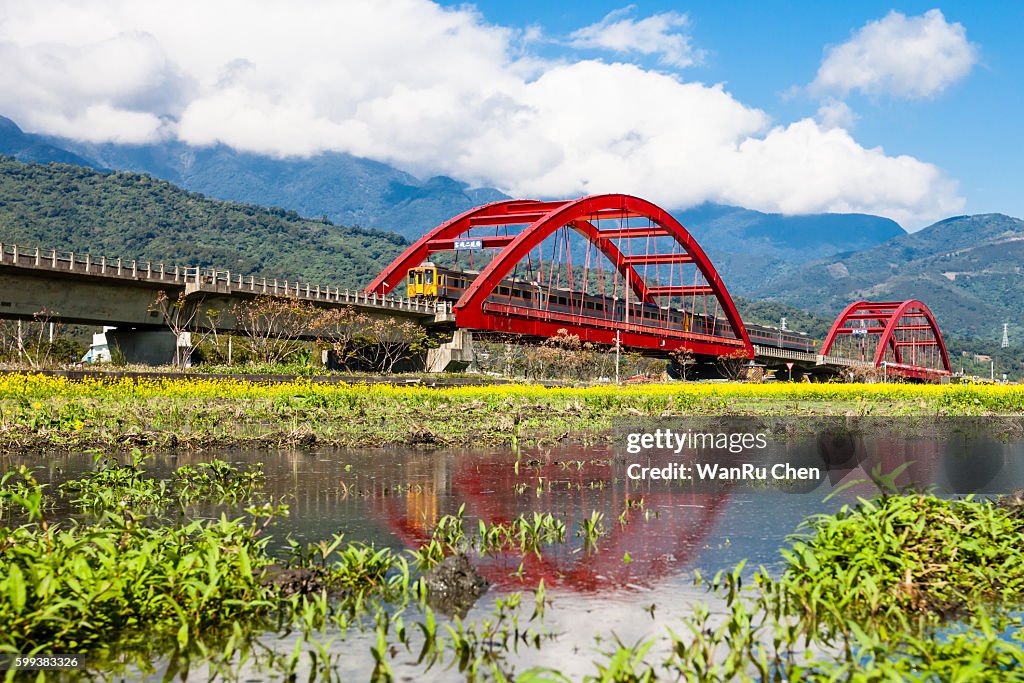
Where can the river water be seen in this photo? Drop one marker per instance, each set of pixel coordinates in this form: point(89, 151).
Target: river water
point(656, 532)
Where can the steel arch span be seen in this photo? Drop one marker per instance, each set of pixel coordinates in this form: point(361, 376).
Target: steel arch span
point(902, 335)
point(668, 297)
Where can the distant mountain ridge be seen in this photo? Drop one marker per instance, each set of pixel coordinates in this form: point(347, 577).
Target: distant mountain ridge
point(749, 247)
point(346, 189)
point(968, 269)
point(352, 191)
point(33, 148)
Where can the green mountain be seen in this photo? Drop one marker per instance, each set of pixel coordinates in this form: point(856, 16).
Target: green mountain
point(968, 269)
point(134, 216)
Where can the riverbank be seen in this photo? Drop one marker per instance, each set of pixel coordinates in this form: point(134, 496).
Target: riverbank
point(56, 413)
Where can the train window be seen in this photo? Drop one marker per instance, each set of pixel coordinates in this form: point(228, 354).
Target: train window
point(428, 276)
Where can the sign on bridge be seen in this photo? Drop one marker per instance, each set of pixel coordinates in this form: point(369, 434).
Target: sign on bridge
point(468, 245)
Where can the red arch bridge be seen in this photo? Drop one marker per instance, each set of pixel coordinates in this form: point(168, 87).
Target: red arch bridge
point(615, 268)
point(608, 268)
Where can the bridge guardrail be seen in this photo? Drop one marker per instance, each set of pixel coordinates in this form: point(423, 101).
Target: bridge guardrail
point(815, 358)
point(197, 278)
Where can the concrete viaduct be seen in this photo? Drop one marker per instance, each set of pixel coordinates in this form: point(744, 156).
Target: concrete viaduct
point(80, 289)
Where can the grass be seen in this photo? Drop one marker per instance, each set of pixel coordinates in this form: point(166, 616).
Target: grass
point(900, 588)
point(38, 411)
point(115, 486)
point(129, 589)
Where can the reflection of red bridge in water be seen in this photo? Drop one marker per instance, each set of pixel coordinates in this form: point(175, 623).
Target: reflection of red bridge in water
point(665, 542)
point(678, 526)
point(616, 268)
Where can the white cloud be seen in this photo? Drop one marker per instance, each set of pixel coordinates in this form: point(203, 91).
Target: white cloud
point(902, 56)
point(802, 165)
point(654, 35)
point(836, 114)
point(431, 90)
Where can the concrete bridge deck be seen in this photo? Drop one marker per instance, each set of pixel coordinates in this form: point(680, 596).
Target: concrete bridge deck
point(122, 293)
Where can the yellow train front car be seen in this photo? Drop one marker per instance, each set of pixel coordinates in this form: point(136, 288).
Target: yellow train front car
point(423, 282)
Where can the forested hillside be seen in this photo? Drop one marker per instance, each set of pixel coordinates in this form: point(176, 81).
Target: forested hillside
point(134, 216)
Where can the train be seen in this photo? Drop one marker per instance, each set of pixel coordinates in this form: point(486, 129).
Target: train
point(432, 282)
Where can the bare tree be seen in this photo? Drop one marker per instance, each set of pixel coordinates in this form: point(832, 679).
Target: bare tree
point(387, 341)
point(179, 317)
point(683, 359)
point(338, 331)
point(541, 362)
point(864, 375)
point(35, 341)
point(209, 325)
point(9, 339)
point(272, 327)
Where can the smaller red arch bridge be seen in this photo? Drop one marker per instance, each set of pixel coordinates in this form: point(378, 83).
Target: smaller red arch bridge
point(607, 268)
point(900, 337)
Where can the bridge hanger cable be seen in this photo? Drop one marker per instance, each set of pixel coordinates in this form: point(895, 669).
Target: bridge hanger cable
point(515, 272)
point(586, 276)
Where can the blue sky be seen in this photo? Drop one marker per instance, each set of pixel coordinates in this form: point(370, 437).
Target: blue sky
point(908, 111)
point(761, 50)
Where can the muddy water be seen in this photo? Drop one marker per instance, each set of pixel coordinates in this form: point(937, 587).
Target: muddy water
point(395, 497)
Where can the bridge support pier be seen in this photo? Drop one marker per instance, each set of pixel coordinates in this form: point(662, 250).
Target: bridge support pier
point(144, 347)
point(453, 356)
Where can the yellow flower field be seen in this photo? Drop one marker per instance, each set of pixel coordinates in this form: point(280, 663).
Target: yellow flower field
point(39, 411)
